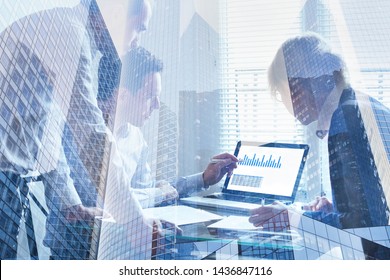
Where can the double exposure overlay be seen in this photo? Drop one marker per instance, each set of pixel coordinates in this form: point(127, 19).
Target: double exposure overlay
point(118, 117)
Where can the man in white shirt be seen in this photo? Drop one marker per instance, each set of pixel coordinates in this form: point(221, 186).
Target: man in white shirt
point(139, 96)
point(85, 122)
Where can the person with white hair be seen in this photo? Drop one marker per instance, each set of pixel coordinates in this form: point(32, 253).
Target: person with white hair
point(312, 83)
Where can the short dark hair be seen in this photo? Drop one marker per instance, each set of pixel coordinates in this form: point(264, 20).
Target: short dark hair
point(137, 63)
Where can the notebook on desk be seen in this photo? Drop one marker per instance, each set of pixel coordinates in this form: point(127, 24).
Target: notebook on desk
point(265, 172)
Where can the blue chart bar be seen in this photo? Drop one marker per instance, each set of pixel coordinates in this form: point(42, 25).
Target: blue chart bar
point(269, 162)
point(247, 181)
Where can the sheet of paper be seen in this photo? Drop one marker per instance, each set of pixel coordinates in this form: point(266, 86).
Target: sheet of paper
point(181, 215)
point(234, 223)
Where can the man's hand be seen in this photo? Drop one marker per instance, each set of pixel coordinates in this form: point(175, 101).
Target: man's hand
point(268, 213)
point(319, 204)
point(169, 193)
point(219, 166)
point(82, 213)
point(274, 213)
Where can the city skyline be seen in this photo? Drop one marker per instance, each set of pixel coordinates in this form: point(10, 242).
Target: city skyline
point(214, 93)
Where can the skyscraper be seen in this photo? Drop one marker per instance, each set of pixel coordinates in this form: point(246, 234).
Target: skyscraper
point(35, 120)
point(215, 92)
point(199, 134)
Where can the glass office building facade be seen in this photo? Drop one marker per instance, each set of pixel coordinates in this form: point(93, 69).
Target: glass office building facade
point(68, 186)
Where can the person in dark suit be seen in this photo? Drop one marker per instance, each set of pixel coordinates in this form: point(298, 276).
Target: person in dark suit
point(311, 81)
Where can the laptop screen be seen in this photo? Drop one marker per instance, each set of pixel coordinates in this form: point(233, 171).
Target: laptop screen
point(271, 170)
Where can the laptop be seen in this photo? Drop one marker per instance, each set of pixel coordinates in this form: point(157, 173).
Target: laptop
point(266, 172)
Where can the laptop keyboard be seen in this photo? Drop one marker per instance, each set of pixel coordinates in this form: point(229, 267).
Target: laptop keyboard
point(234, 197)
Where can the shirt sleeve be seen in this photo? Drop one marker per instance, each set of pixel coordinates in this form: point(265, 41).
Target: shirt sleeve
point(190, 184)
point(149, 197)
point(59, 186)
point(144, 186)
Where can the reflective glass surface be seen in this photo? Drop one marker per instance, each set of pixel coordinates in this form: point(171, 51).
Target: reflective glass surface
point(113, 114)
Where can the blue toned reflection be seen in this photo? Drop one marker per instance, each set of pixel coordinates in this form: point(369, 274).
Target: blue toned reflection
point(312, 80)
point(94, 133)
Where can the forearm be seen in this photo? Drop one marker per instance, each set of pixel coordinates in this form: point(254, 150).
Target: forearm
point(189, 184)
point(59, 186)
point(148, 197)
